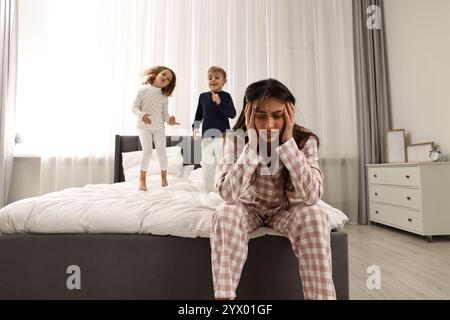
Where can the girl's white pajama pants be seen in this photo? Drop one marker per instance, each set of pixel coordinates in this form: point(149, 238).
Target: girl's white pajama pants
point(147, 137)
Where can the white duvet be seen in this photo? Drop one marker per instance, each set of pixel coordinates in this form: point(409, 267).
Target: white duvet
point(181, 209)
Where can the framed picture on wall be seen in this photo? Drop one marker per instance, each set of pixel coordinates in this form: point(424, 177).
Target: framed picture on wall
point(419, 152)
point(395, 146)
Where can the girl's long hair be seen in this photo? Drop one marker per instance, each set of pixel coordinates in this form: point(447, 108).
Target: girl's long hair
point(259, 92)
point(151, 75)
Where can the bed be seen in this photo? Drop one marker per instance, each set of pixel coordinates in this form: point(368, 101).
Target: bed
point(136, 261)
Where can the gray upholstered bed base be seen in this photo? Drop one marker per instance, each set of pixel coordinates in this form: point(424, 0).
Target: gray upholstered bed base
point(148, 267)
point(121, 266)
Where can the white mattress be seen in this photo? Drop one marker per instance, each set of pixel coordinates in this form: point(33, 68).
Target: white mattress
point(181, 209)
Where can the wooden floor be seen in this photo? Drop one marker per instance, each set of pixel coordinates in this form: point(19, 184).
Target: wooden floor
point(411, 267)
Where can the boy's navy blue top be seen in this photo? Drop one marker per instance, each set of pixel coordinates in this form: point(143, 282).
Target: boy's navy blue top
point(214, 116)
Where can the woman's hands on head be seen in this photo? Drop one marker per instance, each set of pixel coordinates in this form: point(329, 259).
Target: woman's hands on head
point(288, 130)
point(289, 116)
point(250, 124)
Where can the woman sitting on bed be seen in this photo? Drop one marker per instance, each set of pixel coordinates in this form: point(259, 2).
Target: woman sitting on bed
point(281, 194)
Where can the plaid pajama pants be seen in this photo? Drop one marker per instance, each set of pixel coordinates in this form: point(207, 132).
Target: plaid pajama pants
point(308, 229)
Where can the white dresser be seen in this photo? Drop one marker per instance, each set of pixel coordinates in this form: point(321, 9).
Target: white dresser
point(411, 196)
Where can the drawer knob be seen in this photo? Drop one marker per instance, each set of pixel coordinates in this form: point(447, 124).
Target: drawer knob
point(407, 176)
point(409, 219)
point(408, 198)
point(376, 212)
point(376, 193)
point(374, 175)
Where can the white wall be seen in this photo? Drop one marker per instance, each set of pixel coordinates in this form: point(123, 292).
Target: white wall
point(418, 44)
point(27, 174)
point(25, 178)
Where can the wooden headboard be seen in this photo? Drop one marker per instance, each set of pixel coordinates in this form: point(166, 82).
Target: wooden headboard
point(190, 148)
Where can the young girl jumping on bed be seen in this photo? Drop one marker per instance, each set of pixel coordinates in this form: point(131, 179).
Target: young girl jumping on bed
point(283, 199)
point(151, 108)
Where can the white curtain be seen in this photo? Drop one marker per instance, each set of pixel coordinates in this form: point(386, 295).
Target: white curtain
point(77, 91)
point(333, 112)
point(8, 68)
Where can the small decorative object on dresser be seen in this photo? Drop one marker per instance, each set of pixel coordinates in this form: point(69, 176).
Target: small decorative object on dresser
point(435, 154)
point(411, 196)
point(419, 152)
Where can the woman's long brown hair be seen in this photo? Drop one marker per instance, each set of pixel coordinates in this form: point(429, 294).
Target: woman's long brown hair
point(259, 92)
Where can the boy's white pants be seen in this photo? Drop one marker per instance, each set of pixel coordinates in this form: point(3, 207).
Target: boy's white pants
point(212, 154)
point(147, 137)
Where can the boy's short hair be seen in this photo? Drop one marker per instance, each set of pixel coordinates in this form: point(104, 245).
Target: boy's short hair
point(217, 69)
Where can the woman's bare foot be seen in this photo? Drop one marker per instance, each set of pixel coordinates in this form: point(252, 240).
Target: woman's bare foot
point(143, 181)
point(164, 182)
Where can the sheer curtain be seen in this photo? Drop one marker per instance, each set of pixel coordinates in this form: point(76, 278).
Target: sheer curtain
point(8, 68)
point(90, 54)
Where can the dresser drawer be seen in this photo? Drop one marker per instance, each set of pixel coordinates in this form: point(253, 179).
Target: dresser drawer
point(401, 176)
point(396, 216)
point(405, 197)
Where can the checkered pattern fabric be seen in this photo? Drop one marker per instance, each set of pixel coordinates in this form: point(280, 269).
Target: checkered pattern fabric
point(286, 204)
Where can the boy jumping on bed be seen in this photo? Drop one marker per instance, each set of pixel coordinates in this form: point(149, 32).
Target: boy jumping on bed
point(214, 109)
point(151, 108)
